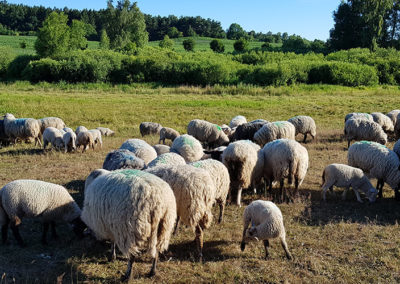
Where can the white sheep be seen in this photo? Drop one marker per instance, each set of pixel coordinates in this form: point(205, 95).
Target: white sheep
point(106, 131)
point(171, 159)
point(161, 149)
point(37, 199)
point(188, 147)
point(84, 139)
point(149, 128)
point(133, 209)
point(393, 115)
point(80, 129)
point(67, 129)
point(384, 121)
point(141, 149)
point(376, 161)
point(240, 158)
point(362, 129)
point(266, 223)
point(51, 122)
point(168, 133)
point(122, 159)
point(54, 136)
point(220, 175)
point(194, 191)
point(274, 130)
point(346, 176)
point(237, 120)
point(96, 137)
point(360, 115)
point(69, 140)
point(22, 128)
point(304, 125)
point(207, 132)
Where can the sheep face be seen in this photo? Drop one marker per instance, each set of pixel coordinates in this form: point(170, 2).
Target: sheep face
point(371, 194)
point(382, 141)
point(252, 234)
point(58, 143)
point(78, 227)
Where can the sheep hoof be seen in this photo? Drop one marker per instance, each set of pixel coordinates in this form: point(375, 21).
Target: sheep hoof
point(151, 274)
point(289, 256)
point(242, 246)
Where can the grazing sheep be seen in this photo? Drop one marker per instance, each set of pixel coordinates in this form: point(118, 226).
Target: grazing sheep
point(85, 139)
point(207, 132)
point(67, 129)
point(69, 141)
point(22, 128)
point(274, 130)
point(361, 129)
point(122, 159)
point(168, 133)
point(304, 125)
point(140, 149)
point(171, 159)
point(51, 122)
point(93, 175)
point(360, 115)
point(133, 209)
point(266, 223)
point(227, 130)
point(384, 121)
point(220, 175)
point(149, 128)
point(240, 158)
point(37, 199)
point(280, 159)
point(393, 115)
point(397, 126)
point(80, 129)
point(188, 147)
point(376, 161)
point(260, 120)
point(106, 131)
point(194, 191)
point(246, 131)
point(215, 154)
point(346, 176)
point(54, 136)
point(4, 141)
point(161, 149)
point(96, 137)
point(237, 120)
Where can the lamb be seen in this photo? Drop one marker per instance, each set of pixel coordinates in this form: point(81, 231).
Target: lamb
point(280, 159)
point(96, 137)
point(54, 136)
point(51, 122)
point(237, 120)
point(266, 223)
point(207, 132)
point(37, 199)
point(360, 115)
point(304, 125)
point(122, 159)
point(378, 162)
point(168, 133)
point(140, 149)
point(133, 209)
point(220, 175)
point(361, 129)
point(85, 139)
point(194, 191)
point(80, 129)
point(171, 159)
point(149, 128)
point(161, 149)
point(188, 147)
point(22, 128)
point(393, 115)
point(274, 130)
point(240, 158)
point(384, 121)
point(106, 131)
point(69, 141)
point(346, 176)
point(246, 131)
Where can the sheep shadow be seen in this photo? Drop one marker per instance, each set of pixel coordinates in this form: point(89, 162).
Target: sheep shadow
point(17, 152)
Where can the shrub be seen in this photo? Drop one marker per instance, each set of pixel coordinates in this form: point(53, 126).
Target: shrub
point(17, 66)
point(45, 69)
point(22, 44)
point(7, 55)
point(188, 44)
point(241, 45)
point(217, 45)
point(166, 42)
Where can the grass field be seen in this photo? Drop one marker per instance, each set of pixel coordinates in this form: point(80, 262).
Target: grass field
point(340, 241)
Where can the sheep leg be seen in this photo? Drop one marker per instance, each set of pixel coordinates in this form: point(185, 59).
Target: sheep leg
point(281, 190)
point(344, 193)
point(45, 230)
point(357, 195)
point(379, 187)
point(348, 144)
point(266, 245)
point(37, 140)
point(4, 230)
point(238, 197)
point(128, 274)
point(221, 211)
point(199, 242)
point(305, 138)
point(176, 225)
point(14, 228)
point(113, 252)
point(53, 230)
point(243, 243)
point(285, 247)
point(153, 266)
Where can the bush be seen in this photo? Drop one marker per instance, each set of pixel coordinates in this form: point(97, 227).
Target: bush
point(45, 69)
point(18, 65)
point(7, 55)
point(241, 45)
point(188, 44)
point(217, 45)
point(22, 44)
point(166, 42)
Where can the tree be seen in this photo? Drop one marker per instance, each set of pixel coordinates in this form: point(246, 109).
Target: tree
point(241, 45)
point(235, 31)
point(191, 31)
point(174, 33)
point(296, 44)
point(188, 44)
point(217, 46)
point(166, 42)
point(77, 35)
point(104, 40)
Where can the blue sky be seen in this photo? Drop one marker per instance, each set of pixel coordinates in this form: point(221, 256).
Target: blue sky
point(311, 19)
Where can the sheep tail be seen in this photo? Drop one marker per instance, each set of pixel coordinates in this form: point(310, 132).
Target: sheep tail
point(164, 230)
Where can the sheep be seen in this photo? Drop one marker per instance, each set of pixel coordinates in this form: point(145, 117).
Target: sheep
point(360, 115)
point(171, 159)
point(237, 120)
point(246, 131)
point(240, 158)
point(266, 223)
point(133, 209)
point(226, 129)
point(93, 175)
point(188, 147)
point(69, 141)
point(96, 137)
point(378, 162)
point(140, 149)
point(168, 133)
point(161, 149)
point(54, 136)
point(220, 175)
point(280, 159)
point(215, 154)
point(384, 121)
point(80, 129)
point(274, 130)
point(85, 139)
point(106, 131)
point(361, 129)
point(3, 137)
point(37, 199)
point(149, 128)
point(206, 132)
point(67, 129)
point(304, 125)
point(346, 176)
point(393, 115)
point(122, 159)
point(396, 148)
point(397, 126)
point(260, 120)
point(51, 122)
point(194, 191)
point(22, 128)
